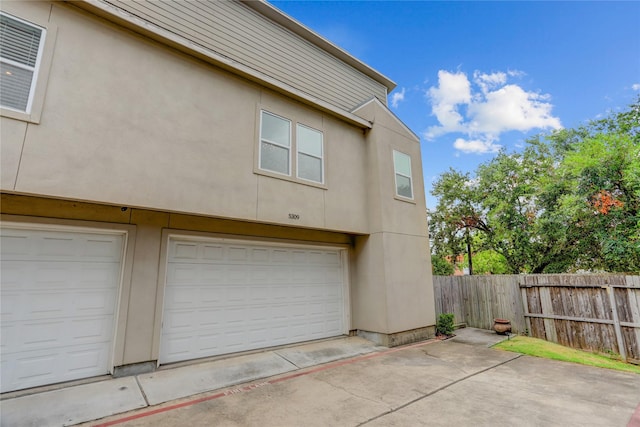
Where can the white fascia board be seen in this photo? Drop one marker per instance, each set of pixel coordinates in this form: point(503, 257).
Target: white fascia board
point(388, 111)
point(141, 26)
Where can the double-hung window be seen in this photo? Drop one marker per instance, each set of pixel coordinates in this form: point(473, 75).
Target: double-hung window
point(299, 156)
point(275, 143)
point(21, 46)
point(402, 167)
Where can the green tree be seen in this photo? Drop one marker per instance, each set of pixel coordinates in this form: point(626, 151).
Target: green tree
point(458, 215)
point(510, 185)
point(488, 262)
point(440, 266)
point(603, 208)
point(569, 201)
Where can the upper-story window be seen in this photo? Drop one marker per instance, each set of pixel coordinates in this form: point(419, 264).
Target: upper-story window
point(21, 46)
point(277, 144)
point(310, 158)
point(402, 168)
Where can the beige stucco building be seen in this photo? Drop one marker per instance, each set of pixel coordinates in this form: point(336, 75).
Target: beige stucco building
point(183, 180)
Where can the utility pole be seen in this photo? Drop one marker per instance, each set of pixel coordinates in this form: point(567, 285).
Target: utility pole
point(469, 250)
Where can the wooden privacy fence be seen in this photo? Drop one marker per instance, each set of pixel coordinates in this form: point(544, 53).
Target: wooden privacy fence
point(477, 300)
point(590, 312)
point(595, 312)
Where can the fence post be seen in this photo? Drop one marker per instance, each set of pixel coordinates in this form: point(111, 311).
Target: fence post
point(616, 323)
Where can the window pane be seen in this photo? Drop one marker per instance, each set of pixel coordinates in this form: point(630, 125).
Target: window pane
point(275, 129)
point(15, 86)
point(403, 186)
point(309, 167)
point(309, 141)
point(19, 42)
point(274, 158)
point(402, 163)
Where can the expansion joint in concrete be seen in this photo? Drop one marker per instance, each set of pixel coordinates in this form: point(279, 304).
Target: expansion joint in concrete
point(144, 395)
point(411, 402)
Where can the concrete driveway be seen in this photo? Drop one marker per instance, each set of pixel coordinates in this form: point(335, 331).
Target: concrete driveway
point(450, 383)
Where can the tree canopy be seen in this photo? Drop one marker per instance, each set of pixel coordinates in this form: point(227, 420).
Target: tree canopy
point(569, 201)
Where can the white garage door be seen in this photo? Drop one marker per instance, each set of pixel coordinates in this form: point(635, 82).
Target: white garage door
point(59, 292)
point(226, 296)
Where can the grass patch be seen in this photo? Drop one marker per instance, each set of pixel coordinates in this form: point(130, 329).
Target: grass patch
point(541, 348)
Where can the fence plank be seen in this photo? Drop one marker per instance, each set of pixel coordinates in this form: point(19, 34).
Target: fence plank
point(616, 324)
point(547, 310)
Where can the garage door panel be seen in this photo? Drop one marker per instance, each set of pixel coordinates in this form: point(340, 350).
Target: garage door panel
point(184, 250)
point(34, 275)
point(24, 336)
point(238, 254)
point(91, 330)
point(211, 274)
point(39, 305)
point(181, 297)
point(183, 274)
point(280, 256)
point(259, 294)
point(233, 294)
point(25, 244)
point(86, 360)
point(39, 367)
point(236, 274)
point(33, 368)
point(212, 252)
point(299, 257)
point(178, 346)
point(58, 293)
point(98, 302)
point(177, 320)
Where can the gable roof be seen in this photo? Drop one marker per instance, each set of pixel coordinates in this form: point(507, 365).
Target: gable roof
point(389, 113)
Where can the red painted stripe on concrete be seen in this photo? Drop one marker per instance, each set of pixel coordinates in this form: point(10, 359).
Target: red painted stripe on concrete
point(146, 413)
point(635, 418)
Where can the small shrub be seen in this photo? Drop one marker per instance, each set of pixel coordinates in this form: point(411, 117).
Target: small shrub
point(444, 326)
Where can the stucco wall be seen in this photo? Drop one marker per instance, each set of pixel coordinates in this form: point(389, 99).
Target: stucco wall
point(394, 287)
point(129, 122)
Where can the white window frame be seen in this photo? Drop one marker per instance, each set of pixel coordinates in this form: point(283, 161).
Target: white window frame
point(396, 173)
point(299, 151)
point(268, 141)
point(35, 69)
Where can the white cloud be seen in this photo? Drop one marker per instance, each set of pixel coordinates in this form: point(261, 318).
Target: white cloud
point(511, 108)
point(397, 97)
point(482, 111)
point(477, 146)
point(635, 86)
point(489, 81)
point(516, 73)
point(452, 90)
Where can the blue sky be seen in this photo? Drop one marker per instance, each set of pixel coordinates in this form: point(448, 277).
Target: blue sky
point(474, 77)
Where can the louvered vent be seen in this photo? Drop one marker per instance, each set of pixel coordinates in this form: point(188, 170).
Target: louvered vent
point(20, 46)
